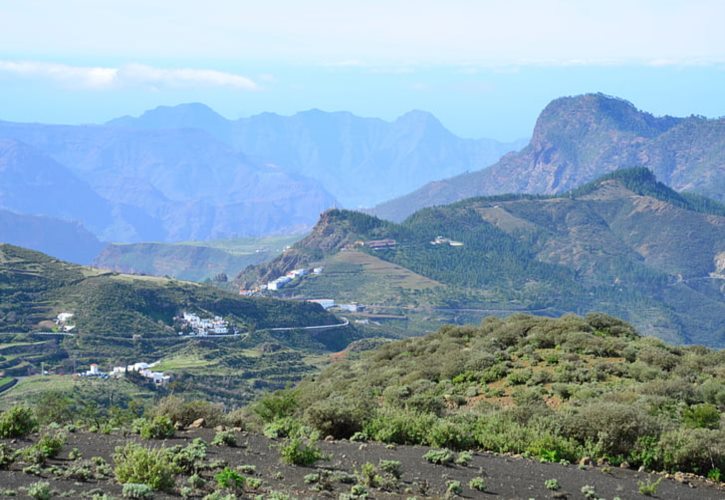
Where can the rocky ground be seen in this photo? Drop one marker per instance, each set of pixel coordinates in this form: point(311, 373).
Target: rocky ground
point(504, 477)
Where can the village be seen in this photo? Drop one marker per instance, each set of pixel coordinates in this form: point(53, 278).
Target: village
point(194, 325)
point(142, 369)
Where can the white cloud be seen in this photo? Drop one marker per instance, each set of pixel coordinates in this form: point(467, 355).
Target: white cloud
point(130, 75)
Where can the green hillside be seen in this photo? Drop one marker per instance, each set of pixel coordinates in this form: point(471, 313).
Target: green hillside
point(554, 389)
point(121, 319)
point(625, 245)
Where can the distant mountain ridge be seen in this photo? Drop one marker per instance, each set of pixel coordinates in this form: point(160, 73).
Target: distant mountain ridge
point(361, 161)
point(65, 240)
point(167, 185)
point(624, 244)
point(576, 140)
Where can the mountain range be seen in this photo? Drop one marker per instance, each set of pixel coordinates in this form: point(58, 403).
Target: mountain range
point(576, 140)
point(361, 161)
point(624, 244)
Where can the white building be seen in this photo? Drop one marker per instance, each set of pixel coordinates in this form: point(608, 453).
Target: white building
point(63, 317)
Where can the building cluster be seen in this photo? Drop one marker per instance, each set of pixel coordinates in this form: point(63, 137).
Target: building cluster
point(205, 326)
point(63, 321)
point(440, 240)
point(294, 274)
point(143, 369)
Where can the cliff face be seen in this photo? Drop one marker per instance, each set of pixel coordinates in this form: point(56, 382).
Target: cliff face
point(577, 139)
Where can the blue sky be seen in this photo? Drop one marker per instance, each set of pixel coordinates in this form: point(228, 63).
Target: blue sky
point(485, 68)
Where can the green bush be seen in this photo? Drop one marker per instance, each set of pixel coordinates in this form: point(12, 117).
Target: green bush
point(439, 457)
point(704, 415)
point(277, 405)
point(190, 458)
point(552, 484)
point(225, 438)
point(649, 488)
point(477, 484)
point(697, 450)
point(391, 467)
point(138, 464)
point(50, 444)
point(158, 428)
point(453, 488)
point(137, 491)
point(39, 490)
point(185, 412)
point(339, 418)
point(7, 456)
point(400, 426)
point(230, 479)
point(18, 421)
point(614, 427)
point(297, 451)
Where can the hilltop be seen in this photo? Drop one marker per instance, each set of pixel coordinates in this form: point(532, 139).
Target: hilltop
point(576, 140)
point(625, 244)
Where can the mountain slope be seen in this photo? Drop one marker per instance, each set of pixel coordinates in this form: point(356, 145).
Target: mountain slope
point(361, 161)
point(34, 288)
point(33, 183)
point(64, 240)
point(170, 185)
point(624, 245)
point(577, 139)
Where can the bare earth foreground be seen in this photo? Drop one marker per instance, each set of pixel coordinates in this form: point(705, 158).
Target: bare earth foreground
point(506, 477)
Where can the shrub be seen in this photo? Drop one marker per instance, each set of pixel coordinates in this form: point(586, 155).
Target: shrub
point(477, 483)
point(338, 417)
point(229, 479)
point(704, 415)
point(697, 450)
point(51, 444)
point(439, 457)
point(392, 467)
point(282, 427)
point(185, 412)
point(714, 475)
point(615, 427)
point(18, 421)
point(158, 428)
point(7, 456)
point(649, 488)
point(190, 458)
point(137, 491)
point(369, 476)
point(138, 464)
point(453, 488)
point(449, 433)
point(400, 426)
point(225, 438)
point(298, 452)
point(277, 405)
point(552, 484)
point(464, 457)
point(39, 490)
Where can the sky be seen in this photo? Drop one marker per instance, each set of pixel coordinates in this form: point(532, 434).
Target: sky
point(485, 68)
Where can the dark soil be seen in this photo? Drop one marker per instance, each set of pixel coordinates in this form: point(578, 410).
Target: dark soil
point(506, 477)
